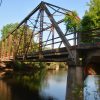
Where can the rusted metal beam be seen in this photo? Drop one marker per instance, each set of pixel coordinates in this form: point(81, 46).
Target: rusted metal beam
point(52, 29)
point(59, 31)
point(44, 29)
point(57, 7)
point(32, 35)
point(41, 28)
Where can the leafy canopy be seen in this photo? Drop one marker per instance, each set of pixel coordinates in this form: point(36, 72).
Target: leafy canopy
point(8, 29)
point(72, 21)
point(91, 18)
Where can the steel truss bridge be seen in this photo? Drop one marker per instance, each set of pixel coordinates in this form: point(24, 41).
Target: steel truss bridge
point(42, 36)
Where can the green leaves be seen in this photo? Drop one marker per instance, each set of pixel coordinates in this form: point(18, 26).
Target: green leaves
point(72, 21)
point(93, 15)
point(87, 23)
point(91, 20)
point(8, 29)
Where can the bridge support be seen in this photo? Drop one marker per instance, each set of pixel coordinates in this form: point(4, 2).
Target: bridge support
point(74, 83)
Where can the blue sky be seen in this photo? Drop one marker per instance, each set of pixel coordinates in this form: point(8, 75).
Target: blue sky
point(12, 11)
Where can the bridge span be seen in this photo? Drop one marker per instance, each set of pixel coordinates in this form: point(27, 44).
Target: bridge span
point(42, 36)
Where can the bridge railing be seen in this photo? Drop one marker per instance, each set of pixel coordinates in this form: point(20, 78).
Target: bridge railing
point(90, 38)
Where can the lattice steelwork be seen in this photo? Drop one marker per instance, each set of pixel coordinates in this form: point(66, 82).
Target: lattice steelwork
point(41, 36)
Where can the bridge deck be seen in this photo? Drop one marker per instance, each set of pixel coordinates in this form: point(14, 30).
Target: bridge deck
point(47, 55)
point(57, 55)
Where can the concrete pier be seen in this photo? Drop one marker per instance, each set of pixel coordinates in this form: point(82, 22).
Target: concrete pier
point(74, 89)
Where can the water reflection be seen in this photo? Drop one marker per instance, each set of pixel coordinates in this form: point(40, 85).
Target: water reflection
point(42, 85)
point(5, 91)
point(92, 87)
point(55, 85)
point(45, 85)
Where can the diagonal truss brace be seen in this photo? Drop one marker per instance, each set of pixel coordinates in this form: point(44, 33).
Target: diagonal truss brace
point(59, 31)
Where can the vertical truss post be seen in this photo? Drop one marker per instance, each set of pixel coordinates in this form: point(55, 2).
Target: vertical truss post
point(25, 40)
point(41, 30)
point(8, 47)
point(16, 43)
point(2, 50)
point(14, 46)
point(52, 29)
point(19, 39)
point(75, 37)
point(78, 38)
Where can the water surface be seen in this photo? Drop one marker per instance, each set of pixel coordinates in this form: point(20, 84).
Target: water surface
point(44, 85)
point(92, 87)
point(49, 85)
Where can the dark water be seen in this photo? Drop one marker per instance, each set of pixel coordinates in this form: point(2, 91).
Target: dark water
point(44, 85)
point(40, 86)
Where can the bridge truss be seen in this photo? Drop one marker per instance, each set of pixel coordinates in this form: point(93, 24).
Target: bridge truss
point(41, 36)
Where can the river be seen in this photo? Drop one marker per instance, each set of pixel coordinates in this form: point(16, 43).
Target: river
point(92, 87)
point(44, 85)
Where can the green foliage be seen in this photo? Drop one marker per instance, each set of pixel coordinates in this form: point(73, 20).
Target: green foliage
point(31, 80)
point(18, 66)
point(78, 92)
point(39, 64)
point(20, 32)
point(8, 29)
point(91, 20)
point(87, 23)
point(72, 21)
point(62, 65)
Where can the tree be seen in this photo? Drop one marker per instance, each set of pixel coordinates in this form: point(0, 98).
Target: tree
point(91, 20)
point(72, 21)
point(8, 29)
point(87, 23)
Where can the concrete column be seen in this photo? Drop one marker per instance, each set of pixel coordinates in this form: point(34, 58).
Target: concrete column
point(74, 90)
point(79, 75)
point(79, 83)
point(71, 83)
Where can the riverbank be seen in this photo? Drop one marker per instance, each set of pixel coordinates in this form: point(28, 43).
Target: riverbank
point(9, 69)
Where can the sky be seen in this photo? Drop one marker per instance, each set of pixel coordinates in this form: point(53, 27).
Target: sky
point(12, 11)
